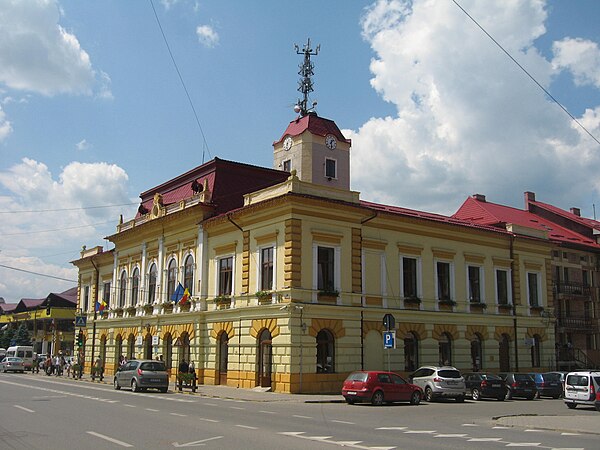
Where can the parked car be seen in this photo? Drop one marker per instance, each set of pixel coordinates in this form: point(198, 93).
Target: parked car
point(12, 364)
point(548, 385)
point(379, 387)
point(437, 382)
point(142, 374)
point(560, 376)
point(519, 385)
point(485, 385)
point(582, 388)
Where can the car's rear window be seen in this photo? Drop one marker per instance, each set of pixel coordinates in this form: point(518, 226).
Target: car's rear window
point(491, 376)
point(358, 376)
point(449, 373)
point(523, 377)
point(577, 380)
point(552, 376)
point(154, 366)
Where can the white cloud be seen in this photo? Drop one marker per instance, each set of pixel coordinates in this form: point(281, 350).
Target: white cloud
point(169, 3)
point(5, 126)
point(43, 215)
point(37, 54)
point(581, 57)
point(207, 36)
point(82, 145)
point(468, 120)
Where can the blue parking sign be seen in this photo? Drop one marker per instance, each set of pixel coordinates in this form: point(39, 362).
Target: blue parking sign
point(389, 339)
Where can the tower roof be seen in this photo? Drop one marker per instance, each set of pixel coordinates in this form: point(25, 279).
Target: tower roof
point(316, 125)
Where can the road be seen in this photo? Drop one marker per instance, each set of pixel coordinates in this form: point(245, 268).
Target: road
point(39, 412)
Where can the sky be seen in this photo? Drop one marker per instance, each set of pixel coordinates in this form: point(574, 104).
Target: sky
point(95, 108)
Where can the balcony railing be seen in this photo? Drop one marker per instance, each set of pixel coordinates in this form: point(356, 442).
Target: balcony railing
point(572, 288)
point(577, 322)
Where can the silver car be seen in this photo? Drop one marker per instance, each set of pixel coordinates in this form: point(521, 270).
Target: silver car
point(438, 382)
point(12, 364)
point(142, 374)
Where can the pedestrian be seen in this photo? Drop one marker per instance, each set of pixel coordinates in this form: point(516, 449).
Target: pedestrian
point(99, 368)
point(68, 367)
point(184, 366)
point(48, 365)
point(35, 367)
point(57, 371)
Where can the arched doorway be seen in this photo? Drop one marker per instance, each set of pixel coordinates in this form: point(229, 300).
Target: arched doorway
point(130, 347)
point(476, 353)
point(445, 349)
point(411, 352)
point(265, 356)
point(148, 346)
point(504, 353)
point(223, 354)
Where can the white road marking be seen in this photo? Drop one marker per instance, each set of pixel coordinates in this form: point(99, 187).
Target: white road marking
point(534, 430)
point(484, 439)
point(178, 415)
point(23, 408)
point(237, 407)
point(301, 417)
point(268, 412)
point(455, 435)
point(247, 427)
point(153, 410)
point(570, 434)
point(196, 443)
point(523, 444)
point(211, 404)
point(391, 428)
point(130, 406)
point(469, 425)
point(420, 431)
point(501, 428)
point(208, 420)
point(343, 421)
point(109, 439)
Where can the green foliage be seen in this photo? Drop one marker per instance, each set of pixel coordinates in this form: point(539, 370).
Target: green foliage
point(6, 337)
point(22, 336)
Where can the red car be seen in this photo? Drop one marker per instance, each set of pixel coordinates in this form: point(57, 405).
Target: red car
point(378, 387)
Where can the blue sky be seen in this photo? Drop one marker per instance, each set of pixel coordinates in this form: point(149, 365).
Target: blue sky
point(92, 111)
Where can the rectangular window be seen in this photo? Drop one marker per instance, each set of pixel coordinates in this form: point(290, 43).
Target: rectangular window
point(287, 165)
point(325, 269)
point(474, 274)
point(330, 168)
point(266, 269)
point(86, 298)
point(225, 275)
point(409, 277)
point(585, 278)
point(443, 281)
point(502, 286)
point(533, 289)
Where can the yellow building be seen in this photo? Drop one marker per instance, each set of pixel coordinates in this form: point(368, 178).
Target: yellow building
point(290, 275)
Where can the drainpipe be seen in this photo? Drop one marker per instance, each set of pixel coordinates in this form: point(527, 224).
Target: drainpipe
point(514, 307)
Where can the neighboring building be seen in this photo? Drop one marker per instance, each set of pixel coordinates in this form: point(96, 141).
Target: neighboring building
point(49, 320)
point(575, 259)
point(290, 274)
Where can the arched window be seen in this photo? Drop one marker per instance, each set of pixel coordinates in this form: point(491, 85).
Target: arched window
point(188, 274)
point(536, 360)
point(122, 289)
point(476, 353)
point(325, 352)
point(411, 352)
point(171, 278)
point(445, 349)
point(152, 277)
point(135, 286)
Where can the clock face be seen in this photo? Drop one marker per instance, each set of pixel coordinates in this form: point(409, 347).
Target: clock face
point(287, 143)
point(330, 141)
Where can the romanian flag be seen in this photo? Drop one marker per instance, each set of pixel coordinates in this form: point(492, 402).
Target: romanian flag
point(101, 305)
point(178, 294)
point(185, 298)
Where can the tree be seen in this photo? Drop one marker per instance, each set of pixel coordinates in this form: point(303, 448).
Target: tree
point(7, 337)
point(22, 337)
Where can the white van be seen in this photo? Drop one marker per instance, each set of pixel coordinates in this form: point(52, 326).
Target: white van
point(25, 352)
point(582, 388)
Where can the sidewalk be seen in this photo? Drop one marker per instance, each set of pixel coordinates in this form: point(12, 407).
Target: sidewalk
point(588, 424)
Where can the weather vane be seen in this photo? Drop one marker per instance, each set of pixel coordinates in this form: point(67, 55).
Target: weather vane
point(305, 85)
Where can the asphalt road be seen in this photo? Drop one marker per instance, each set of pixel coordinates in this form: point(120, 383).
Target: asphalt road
point(54, 413)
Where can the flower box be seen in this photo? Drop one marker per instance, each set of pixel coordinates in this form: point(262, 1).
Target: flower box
point(447, 305)
point(327, 296)
point(222, 301)
point(264, 296)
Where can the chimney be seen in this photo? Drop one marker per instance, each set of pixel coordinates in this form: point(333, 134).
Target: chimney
point(479, 197)
point(529, 197)
point(575, 211)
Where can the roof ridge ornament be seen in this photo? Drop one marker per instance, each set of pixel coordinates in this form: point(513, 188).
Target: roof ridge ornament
point(305, 85)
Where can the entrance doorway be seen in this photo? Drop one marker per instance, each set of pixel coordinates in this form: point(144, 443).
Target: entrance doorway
point(504, 353)
point(223, 343)
point(265, 357)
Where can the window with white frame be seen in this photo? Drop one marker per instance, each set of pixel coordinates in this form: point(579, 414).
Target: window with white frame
point(474, 280)
point(106, 294)
point(534, 289)
point(152, 282)
point(225, 275)
point(122, 289)
point(266, 268)
point(171, 278)
point(135, 286)
point(325, 269)
point(287, 165)
point(86, 298)
point(188, 274)
point(410, 275)
point(503, 290)
point(444, 286)
point(330, 168)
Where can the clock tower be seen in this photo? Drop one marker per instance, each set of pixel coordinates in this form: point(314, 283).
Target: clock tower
point(311, 145)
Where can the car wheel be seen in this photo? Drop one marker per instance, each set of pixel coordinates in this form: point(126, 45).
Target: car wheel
point(134, 386)
point(163, 390)
point(116, 384)
point(508, 395)
point(428, 394)
point(350, 401)
point(571, 405)
point(501, 398)
point(475, 394)
point(537, 395)
point(460, 398)
point(377, 398)
point(556, 396)
point(415, 398)
point(531, 397)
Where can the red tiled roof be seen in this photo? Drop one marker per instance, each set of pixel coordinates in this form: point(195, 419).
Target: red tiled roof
point(591, 223)
point(487, 213)
point(8, 307)
point(316, 125)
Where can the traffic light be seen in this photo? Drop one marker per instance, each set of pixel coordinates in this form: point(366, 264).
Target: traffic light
point(80, 340)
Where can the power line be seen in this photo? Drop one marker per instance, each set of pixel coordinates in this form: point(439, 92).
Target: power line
point(205, 145)
point(528, 74)
point(38, 274)
point(67, 209)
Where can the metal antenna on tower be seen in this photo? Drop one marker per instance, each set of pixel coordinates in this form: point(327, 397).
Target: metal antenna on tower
point(305, 85)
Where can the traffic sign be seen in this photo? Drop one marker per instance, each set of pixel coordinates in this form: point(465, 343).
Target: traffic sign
point(389, 322)
point(80, 321)
point(389, 339)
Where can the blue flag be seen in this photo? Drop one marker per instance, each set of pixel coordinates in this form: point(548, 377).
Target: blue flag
point(178, 294)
